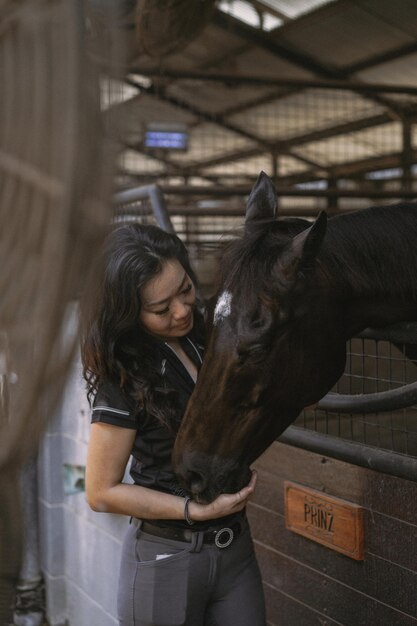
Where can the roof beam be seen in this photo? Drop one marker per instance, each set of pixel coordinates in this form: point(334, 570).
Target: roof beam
point(306, 62)
point(160, 93)
point(243, 190)
point(266, 81)
point(285, 146)
point(353, 168)
point(264, 146)
point(384, 57)
point(266, 42)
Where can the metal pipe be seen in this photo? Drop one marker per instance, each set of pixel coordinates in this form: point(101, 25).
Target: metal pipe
point(195, 211)
point(219, 191)
point(381, 401)
point(387, 462)
point(30, 602)
point(404, 332)
point(301, 83)
point(286, 192)
point(156, 197)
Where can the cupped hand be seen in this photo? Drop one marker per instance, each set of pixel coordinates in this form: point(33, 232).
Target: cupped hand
point(225, 504)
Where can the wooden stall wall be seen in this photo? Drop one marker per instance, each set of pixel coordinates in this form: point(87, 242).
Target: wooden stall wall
point(307, 584)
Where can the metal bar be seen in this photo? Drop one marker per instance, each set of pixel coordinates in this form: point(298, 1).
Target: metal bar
point(238, 212)
point(302, 83)
point(351, 169)
point(404, 332)
point(387, 462)
point(391, 400)
point(286, 191)
point(382, 57)
point(156, 197)
point(30, 603)
point(407, 155)
point(132, 195)
point(159, 208)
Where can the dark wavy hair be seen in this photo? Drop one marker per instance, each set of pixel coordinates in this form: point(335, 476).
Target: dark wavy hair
point(114, 346)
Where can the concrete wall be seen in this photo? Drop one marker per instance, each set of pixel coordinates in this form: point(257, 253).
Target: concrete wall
point(79, 549)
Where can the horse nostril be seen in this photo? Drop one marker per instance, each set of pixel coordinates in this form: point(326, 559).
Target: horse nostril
point(196, 482)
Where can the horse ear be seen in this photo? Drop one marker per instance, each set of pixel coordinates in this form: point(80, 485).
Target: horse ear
point(262, 201)
point(303, 249)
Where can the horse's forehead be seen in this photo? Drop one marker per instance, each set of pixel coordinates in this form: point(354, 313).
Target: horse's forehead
point(223, 307)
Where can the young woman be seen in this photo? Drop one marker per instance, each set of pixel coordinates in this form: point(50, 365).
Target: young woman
point(183, 563)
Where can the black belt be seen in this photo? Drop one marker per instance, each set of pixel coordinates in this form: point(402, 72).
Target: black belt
point(221, 536)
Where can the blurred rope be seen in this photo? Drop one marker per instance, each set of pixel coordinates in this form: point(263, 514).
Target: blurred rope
point(54, 211)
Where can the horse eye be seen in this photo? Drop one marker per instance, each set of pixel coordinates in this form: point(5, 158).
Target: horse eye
point(253, 352)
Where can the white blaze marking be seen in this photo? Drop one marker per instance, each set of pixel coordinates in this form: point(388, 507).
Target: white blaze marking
point(223, 307)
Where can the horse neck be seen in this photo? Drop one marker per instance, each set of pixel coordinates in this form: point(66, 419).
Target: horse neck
point(371, 266)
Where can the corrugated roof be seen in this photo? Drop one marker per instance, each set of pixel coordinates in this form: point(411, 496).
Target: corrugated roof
point(296, 127)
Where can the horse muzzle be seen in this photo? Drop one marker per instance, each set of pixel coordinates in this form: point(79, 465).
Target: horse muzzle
point(206, 477)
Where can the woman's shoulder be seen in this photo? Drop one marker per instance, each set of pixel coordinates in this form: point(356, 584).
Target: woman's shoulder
point(113, 405)
point(110, 393)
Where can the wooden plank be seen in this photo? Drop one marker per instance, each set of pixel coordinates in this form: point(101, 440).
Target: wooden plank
point(332, 522)
point(378, 492)
point(314, 470)
point(391, 539)
point(283, 610)
point(323, 594)
point(375, 578)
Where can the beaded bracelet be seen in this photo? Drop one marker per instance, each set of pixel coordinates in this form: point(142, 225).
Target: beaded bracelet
point(186, 513)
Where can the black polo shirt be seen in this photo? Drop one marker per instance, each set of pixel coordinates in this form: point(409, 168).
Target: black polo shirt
point(151, 454)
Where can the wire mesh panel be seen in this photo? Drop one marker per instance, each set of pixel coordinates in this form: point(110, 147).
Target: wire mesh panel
point(372, 366)
point(299, 134)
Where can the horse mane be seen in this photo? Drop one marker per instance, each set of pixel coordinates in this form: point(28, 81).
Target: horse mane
point(371, 250)
point(248, 260)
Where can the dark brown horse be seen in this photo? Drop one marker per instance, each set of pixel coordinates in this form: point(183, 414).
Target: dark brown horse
point(292, 294)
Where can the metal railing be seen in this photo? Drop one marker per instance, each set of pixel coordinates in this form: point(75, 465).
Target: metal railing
point(370, 417)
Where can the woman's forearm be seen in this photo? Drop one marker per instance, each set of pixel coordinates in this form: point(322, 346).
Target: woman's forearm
point(136, 501)
point(108, 453)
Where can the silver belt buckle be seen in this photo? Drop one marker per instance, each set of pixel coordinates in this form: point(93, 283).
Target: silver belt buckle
point(219, 542)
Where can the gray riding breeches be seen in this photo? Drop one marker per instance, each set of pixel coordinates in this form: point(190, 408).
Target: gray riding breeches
point(165, 582)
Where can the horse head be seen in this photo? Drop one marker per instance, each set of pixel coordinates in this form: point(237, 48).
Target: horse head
point(276, 345)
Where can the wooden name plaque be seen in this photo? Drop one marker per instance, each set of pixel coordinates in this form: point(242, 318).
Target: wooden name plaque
point(333, 522)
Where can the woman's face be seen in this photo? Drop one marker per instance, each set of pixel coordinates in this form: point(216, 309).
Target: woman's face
point(168, 302)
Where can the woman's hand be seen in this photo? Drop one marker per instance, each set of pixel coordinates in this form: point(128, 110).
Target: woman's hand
point(225, 504)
